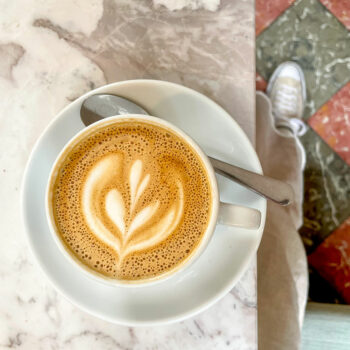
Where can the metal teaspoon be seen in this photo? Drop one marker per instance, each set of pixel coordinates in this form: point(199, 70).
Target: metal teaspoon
point(101, 106)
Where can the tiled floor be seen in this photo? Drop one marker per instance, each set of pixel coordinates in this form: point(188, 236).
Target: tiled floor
point(332, 260)
point(315, 33)
point(332, 122)
point(266, 11)
point(340, 9)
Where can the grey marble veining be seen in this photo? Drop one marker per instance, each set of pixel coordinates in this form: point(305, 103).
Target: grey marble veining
point(201, 49)
point(52, 53)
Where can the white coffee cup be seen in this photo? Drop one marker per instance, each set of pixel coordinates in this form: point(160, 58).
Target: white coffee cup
point(221, 213)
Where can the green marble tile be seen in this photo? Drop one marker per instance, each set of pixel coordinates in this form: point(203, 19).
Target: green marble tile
point(310, 35)
point(326, 191)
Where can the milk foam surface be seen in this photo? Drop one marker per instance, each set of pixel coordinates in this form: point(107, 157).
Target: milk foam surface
point(131, 200)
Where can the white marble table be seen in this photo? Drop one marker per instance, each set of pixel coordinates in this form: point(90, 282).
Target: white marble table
point(52, 52)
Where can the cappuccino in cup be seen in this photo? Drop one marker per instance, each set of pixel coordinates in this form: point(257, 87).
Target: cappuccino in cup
point(131, 200)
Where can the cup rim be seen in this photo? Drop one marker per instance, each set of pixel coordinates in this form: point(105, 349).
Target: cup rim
point(177, 269)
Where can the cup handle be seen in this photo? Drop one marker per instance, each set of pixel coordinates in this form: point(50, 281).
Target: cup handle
point(235, 215)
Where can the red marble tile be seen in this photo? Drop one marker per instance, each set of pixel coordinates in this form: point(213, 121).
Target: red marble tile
point(266, 11)
point(332, 260)
point(332, 122)
point(340, 9)
point(260, 82)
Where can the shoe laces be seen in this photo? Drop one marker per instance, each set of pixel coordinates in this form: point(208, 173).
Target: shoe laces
point(286, 99)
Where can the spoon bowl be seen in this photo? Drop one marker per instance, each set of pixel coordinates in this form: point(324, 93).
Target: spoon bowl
point(101, 106)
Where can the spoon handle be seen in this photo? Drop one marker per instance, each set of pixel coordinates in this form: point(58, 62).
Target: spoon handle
point(272, 189)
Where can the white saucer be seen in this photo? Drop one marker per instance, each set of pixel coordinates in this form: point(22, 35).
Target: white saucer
point(218, 268)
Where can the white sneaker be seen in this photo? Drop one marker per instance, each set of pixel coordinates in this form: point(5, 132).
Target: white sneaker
point(287, 92)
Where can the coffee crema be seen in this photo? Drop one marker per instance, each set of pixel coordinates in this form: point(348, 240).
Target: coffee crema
point(131, 200)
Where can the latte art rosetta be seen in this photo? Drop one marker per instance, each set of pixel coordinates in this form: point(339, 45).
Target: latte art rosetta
point(130, 200)
point(123, 214)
